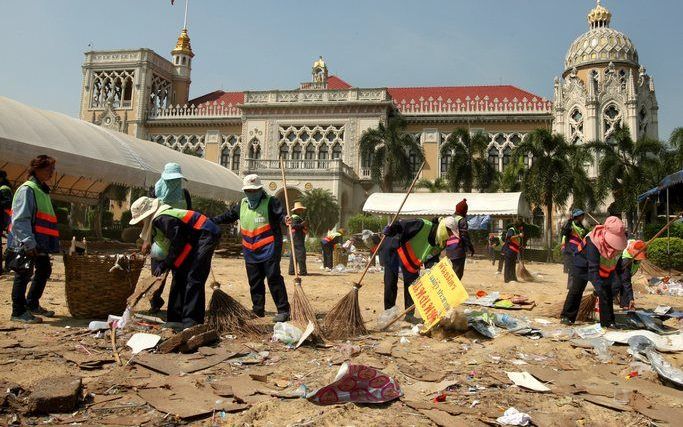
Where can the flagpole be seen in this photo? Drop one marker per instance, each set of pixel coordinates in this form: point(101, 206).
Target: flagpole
point(185, 20)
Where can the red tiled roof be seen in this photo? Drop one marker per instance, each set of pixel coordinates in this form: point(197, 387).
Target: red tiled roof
point(334, 82)
point(460, 92)
point(219, 96)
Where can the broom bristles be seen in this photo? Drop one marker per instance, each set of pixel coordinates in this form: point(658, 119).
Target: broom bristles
point(345, 319)
point(523, 273)
point(302, 313)
point(587, 307)
point(227, 315)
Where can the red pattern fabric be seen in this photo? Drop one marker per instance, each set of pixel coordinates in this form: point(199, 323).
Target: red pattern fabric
point(359, 384)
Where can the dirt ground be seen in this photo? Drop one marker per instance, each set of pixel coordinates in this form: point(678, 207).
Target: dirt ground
point(471, 368)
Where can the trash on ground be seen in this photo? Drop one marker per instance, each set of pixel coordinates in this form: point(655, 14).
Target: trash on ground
point(358, 384)
point(601, 348)
point(141, 341)
point(386, 317)
point(670, 375)
point(591, 331)
point(286, 333)
point(512, 417)
point(526, 380)
point(666, 343)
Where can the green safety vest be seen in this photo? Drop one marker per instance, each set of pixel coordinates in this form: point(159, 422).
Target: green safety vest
point(191, 218)
point(418, 249)
point(258, 237)
point(44, 221)
point(634, 264)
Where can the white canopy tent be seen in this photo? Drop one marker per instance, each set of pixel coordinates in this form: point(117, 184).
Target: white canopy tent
point(90, 157)
point(435, 204)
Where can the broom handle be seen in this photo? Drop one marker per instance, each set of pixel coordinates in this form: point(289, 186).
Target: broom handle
point(289, 226)
point(659, 233)
point(640, 217)
point(358, 284)
point(398, 317)
point(591, 217)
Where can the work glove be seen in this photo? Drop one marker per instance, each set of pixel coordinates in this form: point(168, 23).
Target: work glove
point(159, 268)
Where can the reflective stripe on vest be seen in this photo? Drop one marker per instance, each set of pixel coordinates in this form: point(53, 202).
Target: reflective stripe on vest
point(44, 221)
point(634, 263)
point(576, 235)
point(514, 242)
point(417, 250)
point(193, 219)
point(607, 266)
point(258, 237)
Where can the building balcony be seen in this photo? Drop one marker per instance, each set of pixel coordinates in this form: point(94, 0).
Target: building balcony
point(300, 167)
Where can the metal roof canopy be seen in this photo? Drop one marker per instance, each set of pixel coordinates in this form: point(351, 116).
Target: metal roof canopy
point(90, 158)
point(419, 204)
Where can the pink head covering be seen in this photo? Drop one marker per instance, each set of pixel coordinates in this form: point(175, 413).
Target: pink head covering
point(609, 238)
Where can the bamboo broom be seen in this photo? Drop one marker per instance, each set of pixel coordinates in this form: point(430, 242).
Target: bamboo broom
point(301, 308)
point(345, 319)
point(227, 315)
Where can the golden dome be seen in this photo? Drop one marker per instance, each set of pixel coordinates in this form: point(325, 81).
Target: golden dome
point(183, 45)
point(599, 17)
point(319, 63)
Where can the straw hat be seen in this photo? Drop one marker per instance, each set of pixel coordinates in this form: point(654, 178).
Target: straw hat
point(252, 182)
point(143, 208)
point(298, 206)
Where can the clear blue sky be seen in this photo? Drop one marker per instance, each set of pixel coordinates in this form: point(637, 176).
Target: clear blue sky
point(258, 44)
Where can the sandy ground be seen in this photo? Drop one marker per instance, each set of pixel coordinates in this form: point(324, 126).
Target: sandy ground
point(474, 367)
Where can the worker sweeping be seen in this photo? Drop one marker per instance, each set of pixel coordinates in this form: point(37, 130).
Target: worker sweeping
point(328, 243)
point(5, 210)
point(261, 218)
point(514, 239)
point(573, 233)
point(597, 261)
point(408, 245)
point(622, 288)
point(186, 241)
point(299, 231)
point(459, 243)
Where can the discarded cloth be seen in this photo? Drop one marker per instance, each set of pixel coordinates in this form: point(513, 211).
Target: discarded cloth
point(512, 417)
point(358, 384)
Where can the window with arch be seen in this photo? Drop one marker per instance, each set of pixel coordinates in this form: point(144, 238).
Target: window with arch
point(493, 156)
point(310, 152)
point(611, 120)
point(446, 157)
point(413, 161)
point(296, 152)
point(115, 86)
point(337, 151)
point(284, 151)
point(642, 121)
point(225, 157)
point(576, 126)
point(323, 152)
point(236, 158)
point(255, 149)
point(507, 155)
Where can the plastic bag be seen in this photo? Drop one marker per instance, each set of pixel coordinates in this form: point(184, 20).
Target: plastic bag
point(601, 349)
point(386, 317)
point(286, 333)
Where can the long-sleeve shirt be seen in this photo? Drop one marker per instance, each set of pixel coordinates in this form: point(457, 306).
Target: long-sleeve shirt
point(23, 211)
point(459, 250)
point(623, 279)
point(298, 230)
point(566, 233)
point(587, 265)
point(5, 203)
point(402, 231)
point(177, 232)
point(276, 218)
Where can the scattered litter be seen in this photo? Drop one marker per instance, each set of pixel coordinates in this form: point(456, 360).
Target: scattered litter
point(359, 384)
point(543, 321)
point(512, 417)
point(404, 340)
point(141, 341)
point(307, 333)
point(286, 333)
point(486, 300)
point(640, 345)
point(412, 332)
point(668, 343)
point(601, 349)
point(526, 380)
point(348, 350)
point(662, 310)
point(386, 317)
point(588, 332)
point(518, 362)
point(98, 325)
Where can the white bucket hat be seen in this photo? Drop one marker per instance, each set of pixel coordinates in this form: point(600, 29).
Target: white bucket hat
point(252, 182)
point(143, 208)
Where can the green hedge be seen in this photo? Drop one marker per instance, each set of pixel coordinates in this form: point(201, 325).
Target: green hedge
point(362, 221)
point(313, 245)
point(650, 230)
point(658, 255)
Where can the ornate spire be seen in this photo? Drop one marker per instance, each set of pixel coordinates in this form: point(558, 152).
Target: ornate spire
point(599, 17)
point(183, 45)
point(319, 71)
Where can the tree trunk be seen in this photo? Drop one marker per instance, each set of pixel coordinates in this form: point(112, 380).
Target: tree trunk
point(549, 228)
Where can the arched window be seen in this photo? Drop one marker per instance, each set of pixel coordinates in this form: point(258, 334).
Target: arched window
point(493, 157)
point(284, 151)
point(310, 152)
point(225, 157)
point(446, 157)
point(323, 152)
point(296, 152)
point(507, 154)
point(611, 120)
point(413, 161)
point(254, 149)
point(337, 151)
point(576, 126)
point(236, 157)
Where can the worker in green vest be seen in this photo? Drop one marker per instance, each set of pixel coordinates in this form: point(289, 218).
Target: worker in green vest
point(622, 288)
point(514, 239)
point(5, 210)
point(186, 241)
point(32, 238)
point(261, 219)
point(410, 243)
point(573, 233)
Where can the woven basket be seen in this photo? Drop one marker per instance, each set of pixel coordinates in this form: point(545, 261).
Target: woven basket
point(339, 256)
point(92, 291)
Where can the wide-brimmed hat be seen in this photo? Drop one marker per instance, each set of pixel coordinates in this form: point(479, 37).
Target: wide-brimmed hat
point(637, 247)
point(172, 171)
point(252, 182)
point(615, 233)
point(298, 206)
point(143, 208)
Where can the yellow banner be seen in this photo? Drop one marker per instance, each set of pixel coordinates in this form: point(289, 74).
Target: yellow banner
point(436, 292)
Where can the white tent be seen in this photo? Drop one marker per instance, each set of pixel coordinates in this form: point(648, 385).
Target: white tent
point(90, 157)
point(426, 204)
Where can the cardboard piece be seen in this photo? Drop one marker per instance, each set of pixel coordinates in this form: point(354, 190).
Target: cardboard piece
point(141, 341)
point(384, 347)
point(669, 343)
point(307, 333)
point(606, 402)
point(527, 381)
point(176, 364)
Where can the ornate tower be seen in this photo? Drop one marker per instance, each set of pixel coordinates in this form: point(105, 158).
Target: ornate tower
point(182, 62)
point(319, 72)
point(603, 85)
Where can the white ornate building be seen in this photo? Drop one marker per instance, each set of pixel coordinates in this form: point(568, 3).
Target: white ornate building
point(316, 127)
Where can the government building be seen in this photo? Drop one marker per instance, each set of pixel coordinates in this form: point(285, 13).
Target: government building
point(317, 127)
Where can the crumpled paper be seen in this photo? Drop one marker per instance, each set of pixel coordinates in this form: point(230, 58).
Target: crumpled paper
point(512, 417)
point(359, 384)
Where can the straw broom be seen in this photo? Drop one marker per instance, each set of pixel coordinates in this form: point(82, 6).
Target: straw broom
point(345, 319)
point(301, 309)
point(227, 315)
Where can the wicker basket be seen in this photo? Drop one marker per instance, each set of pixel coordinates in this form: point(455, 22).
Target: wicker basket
point(92, 291)
point(339, 256)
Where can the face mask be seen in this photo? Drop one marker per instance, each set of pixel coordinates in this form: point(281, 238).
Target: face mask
point(254, 198)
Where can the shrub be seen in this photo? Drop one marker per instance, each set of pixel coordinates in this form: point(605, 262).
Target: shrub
point(673, 258)
point(209, 207)
point(557, 253)
point(313, 245)
point(650, 230)
point(323, 210)
point(363, 221)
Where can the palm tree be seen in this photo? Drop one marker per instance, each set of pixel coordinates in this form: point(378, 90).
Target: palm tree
point(676, 142)
point(389, 150)
point(437, 186)
point(627, 168)
point(586, 193)
point(511, 178)
point(469, 167)
point(322, 210)
point(549, 180)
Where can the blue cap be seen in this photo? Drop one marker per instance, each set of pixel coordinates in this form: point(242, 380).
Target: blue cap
point(577, 213)
point(171, 171)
